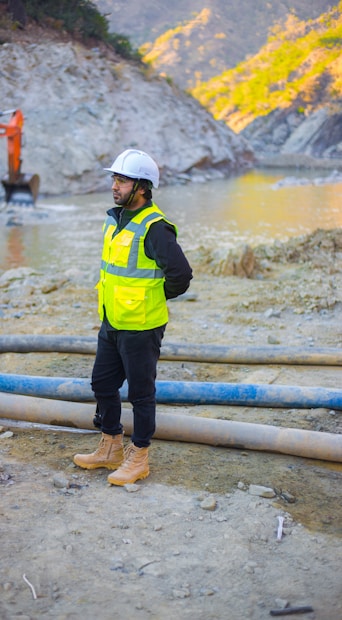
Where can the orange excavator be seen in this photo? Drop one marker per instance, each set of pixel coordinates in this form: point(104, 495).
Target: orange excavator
point(20, 188)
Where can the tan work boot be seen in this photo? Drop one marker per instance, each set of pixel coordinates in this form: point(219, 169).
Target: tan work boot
point(135, 467)
point(109, 454)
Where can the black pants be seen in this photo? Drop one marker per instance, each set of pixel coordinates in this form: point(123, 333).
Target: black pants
point(131, 355)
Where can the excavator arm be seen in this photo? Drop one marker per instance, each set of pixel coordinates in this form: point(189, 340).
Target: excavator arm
point(19, 188)
point(13, 132)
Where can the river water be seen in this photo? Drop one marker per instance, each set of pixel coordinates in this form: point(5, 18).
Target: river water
point(252, 208)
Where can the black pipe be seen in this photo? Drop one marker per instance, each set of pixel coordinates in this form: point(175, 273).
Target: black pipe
point(219, 354)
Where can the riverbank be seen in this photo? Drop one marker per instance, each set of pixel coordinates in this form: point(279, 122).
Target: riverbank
point(298, 161)
point(193, 539)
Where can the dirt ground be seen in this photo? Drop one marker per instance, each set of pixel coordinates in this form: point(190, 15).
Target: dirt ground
point(193, 540)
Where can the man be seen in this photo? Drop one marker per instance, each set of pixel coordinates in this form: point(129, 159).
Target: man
point(142, 266)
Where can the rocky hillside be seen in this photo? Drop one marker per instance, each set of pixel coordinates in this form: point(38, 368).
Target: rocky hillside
point(82, 106)
point(196, 40)
point(301, 63)
point(288, 97)
point(275, 75)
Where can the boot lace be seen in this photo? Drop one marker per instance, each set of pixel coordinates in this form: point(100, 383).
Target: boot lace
point(100, 447)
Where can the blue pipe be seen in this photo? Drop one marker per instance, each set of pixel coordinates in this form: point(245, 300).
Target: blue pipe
point(182, 392)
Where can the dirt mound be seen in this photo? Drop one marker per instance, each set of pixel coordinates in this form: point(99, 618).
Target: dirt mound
point(322, 248)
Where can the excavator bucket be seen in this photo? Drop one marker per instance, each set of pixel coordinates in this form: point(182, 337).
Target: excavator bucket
point(23, 191)
point(20, 189)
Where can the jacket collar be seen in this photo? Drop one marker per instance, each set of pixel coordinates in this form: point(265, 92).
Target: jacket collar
point(115, 212)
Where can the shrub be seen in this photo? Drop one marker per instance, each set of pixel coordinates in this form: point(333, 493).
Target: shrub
point(81, 18)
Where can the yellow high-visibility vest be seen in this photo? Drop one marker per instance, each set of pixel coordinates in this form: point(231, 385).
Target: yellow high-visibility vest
point(131, 285)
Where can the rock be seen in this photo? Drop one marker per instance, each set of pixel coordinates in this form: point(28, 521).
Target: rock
point(60, 481)
point(5, 477)
point(6, 435)
point(239, 262)
point(300, 139)
point(205, 591)
point(132, 488)
point(181, 592)
point(281, 603)
point(209, 503)
point(273, 340)
point(15, 274)
point(260, 491)
point(270, 312)
point(288, 497)
point(53, 286)
point(315, 138)
point(245, 265)
point(250, 567)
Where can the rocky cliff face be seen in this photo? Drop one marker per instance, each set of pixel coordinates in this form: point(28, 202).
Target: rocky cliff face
point(83, 106)
point(288, 137)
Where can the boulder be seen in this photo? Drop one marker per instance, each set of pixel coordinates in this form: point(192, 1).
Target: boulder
point(289, 137)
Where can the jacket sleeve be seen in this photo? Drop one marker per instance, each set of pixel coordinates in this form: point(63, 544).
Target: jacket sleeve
point(161, 245)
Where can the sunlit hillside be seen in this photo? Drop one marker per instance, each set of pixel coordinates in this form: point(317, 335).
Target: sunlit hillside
point(194, 49)
point(300, 64)
point(195, 40)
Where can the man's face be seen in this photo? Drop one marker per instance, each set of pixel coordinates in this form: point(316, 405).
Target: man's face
point(121, 187)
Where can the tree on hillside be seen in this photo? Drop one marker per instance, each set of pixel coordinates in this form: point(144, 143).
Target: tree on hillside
point(80, 18)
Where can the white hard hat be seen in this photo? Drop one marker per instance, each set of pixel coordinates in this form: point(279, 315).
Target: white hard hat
point(136, 165)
